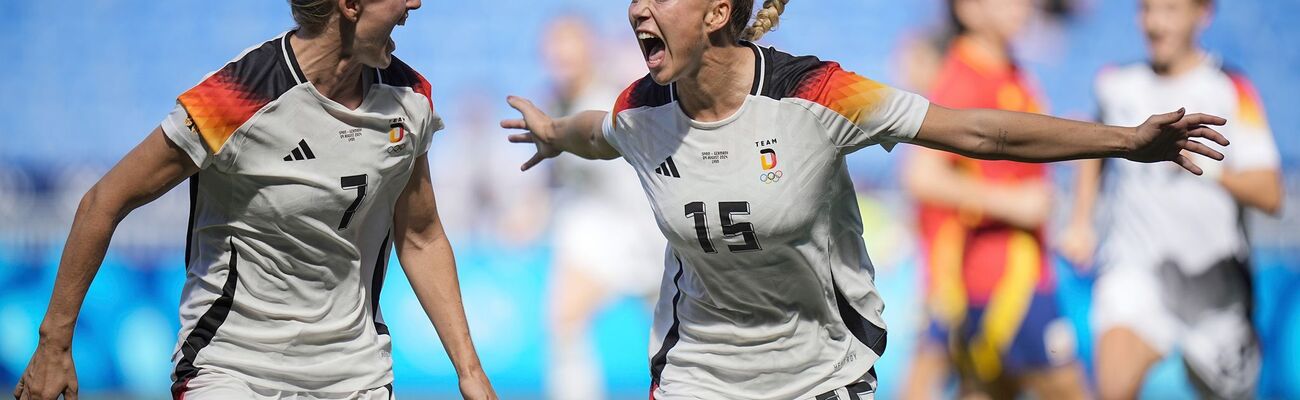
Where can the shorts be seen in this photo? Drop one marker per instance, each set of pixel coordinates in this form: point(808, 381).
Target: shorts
point(1043, 339)
point(1206, 315)
point(214, 385)
point(865, 390)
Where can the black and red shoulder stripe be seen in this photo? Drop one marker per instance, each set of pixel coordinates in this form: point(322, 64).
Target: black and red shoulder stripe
point(228, 98)
point(643, 93)
point(400, 74)
point(821, 82)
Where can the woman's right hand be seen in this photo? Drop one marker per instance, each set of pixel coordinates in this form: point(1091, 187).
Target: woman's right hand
point(49, 374)
point(539, 127)
point(1026, 205)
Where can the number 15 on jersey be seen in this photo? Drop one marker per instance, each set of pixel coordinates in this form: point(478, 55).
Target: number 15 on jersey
point(696, 211)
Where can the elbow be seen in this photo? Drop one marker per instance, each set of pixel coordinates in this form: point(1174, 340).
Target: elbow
point(91, 201)
point(96, 203)
point(1273, 204)
point(985, 140)
point(1271, 198)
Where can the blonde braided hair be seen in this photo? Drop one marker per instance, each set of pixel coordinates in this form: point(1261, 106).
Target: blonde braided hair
point(766, 20)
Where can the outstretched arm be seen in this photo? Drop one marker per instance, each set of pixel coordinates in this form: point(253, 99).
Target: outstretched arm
point(426, 257)
point(580, 134)
point(1007, 135)
point(147, 172)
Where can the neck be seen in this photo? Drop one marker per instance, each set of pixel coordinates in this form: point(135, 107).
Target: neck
point(718, 88)
point(328, 64)
point(1181, 64)
point(989, 49)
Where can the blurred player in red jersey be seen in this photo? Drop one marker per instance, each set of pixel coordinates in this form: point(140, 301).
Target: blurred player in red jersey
point(1154, 292)
point(990, 289)
point(768, 291)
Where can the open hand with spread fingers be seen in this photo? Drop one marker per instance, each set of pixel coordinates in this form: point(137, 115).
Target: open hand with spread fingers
point(539, 130)
point(1169, 137)
point(580, 134)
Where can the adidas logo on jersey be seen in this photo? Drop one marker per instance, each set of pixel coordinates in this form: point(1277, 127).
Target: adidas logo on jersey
point(302, 152)
point(668, 168)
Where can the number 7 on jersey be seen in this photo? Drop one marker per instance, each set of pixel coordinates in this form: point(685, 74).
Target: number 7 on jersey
point(357, 182)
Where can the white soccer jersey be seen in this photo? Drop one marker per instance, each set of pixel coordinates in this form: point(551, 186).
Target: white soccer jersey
point(1161, 213)
point(768, 292)
point(291, 217)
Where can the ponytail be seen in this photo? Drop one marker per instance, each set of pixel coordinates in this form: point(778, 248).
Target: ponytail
point(766, 20)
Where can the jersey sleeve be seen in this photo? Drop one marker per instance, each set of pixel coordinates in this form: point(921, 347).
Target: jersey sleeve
point(432, 125)
point(208, 115)
point(1253, 147)
point(432, 122)
point(619, 128)
point(180, 129)
point(611, 135)
point(859, 112)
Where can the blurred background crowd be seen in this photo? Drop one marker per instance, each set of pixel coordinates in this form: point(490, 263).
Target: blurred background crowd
point(83, 83)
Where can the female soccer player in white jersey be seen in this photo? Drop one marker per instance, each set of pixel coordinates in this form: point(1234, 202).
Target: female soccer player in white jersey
point(306, 159)
point(768, 292)
point(1155, 292)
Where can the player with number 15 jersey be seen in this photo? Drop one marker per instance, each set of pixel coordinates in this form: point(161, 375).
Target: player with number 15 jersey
point(763, 228)
point(768, 290)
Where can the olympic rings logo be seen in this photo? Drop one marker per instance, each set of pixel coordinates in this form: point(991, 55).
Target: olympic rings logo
point(770, 177)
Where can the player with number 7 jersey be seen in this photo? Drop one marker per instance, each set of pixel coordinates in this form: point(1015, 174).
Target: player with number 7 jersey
point(307, 163)
point(290, 233)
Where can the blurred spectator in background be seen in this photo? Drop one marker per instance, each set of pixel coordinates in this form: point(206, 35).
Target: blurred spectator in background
point(488, 205)
point(606, 243)
point(1155, 292)
point(990, 289)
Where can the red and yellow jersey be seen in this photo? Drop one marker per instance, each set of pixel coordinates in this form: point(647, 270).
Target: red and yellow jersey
point(989, 256)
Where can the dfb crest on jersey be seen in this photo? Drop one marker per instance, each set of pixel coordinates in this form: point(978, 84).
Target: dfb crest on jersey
point(396, 132)
point(767, 159)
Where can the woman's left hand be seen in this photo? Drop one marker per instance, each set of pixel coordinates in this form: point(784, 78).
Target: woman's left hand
point(1164, 137)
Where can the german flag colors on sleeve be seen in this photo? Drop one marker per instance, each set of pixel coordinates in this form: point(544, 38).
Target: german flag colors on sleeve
point(1253, 147)
point(860, 112)
point(207, 115)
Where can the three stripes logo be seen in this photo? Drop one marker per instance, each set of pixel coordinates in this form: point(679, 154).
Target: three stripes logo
point(302, 152)
point(668, 168)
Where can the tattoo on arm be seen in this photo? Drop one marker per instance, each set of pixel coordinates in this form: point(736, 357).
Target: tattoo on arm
point(1002, 141)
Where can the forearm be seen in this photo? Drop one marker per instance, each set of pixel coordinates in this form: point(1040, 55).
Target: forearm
point(580, 134)
point(1259, 189)
point(92, 228)
point(1007, 135)
point(431, 268)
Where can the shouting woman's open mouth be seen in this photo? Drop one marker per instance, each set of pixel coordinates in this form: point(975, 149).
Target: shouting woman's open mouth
point(653, 48)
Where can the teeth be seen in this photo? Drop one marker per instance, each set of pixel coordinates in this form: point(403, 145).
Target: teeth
point(644, 36)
